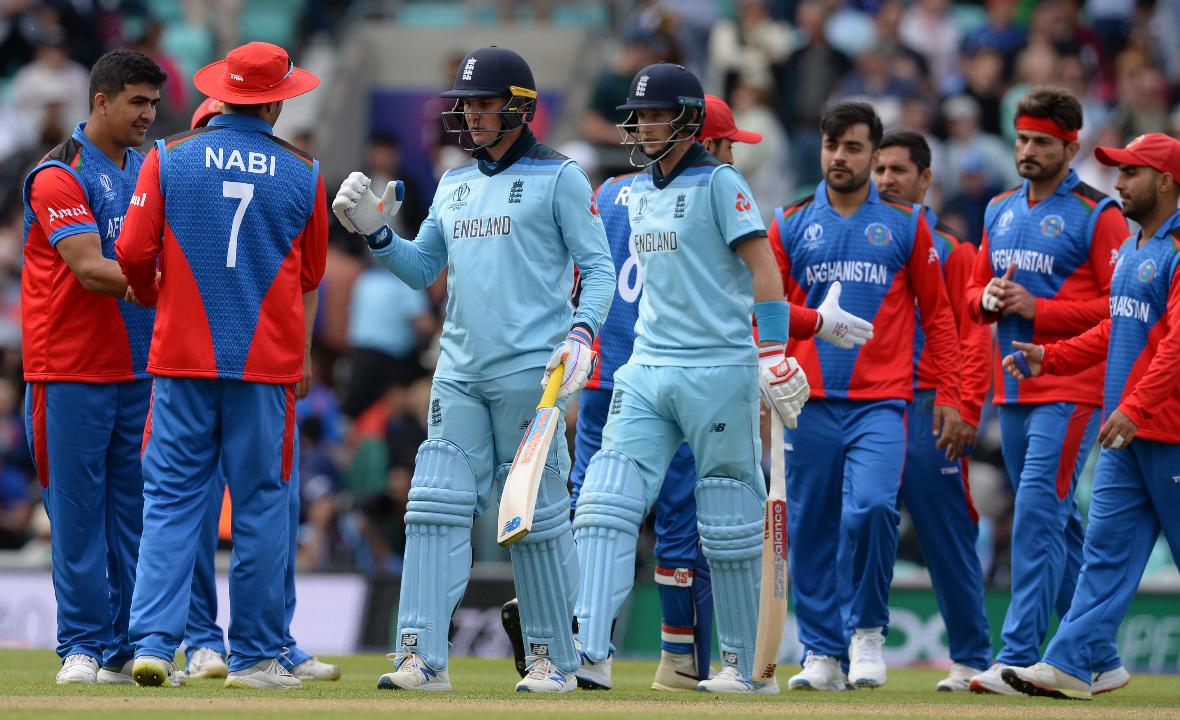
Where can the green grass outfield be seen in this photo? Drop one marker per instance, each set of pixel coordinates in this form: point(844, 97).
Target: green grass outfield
point(484, 690)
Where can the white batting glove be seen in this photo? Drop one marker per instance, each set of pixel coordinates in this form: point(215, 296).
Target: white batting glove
point(579, 361)
point(838, 326)
point(990, 301)
point(783, 383)
point(359, 210)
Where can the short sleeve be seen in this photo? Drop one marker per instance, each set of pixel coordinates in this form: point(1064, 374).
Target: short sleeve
point(734, 210)
point(59, 202)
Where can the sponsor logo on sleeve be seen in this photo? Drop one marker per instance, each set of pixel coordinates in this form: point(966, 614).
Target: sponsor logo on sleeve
point(743, 204)
point(62, 214)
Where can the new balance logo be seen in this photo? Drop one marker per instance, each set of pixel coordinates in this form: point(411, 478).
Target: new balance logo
point(717, 427)
point(511, 525)
point(730, 658)
point(516, 191)
point(539, 649)
point(410, 640)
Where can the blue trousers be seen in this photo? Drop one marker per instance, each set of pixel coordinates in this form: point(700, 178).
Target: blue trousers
point(677, 540)
point(85, 440)
point(202, 630)
point(1134, 498)
point(195, 426)
point(859, 445)
point(1045, 447)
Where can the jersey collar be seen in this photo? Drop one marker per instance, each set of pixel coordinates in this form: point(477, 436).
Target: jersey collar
point(821, 196)
point(690, 158)
point(523, 144)
point(242, 122)
point(80, 136)
point(1170, 225)
point(1064, 187)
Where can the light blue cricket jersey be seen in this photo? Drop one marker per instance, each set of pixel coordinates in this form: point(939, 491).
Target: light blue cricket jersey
point(509, 234)
point(698, 295)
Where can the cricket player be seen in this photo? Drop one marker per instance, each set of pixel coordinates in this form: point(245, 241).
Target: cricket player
point(237, 221)
point(1134, 493)
point(1042, 275)
point(854, 429)
point(508, 228)
point(84, 352)
point(692, 375)
point(204, 639)
point(935, 488)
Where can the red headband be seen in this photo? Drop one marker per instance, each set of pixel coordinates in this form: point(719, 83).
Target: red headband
point(1047, 126)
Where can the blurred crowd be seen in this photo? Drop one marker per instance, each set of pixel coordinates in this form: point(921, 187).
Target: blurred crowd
point(952, 71)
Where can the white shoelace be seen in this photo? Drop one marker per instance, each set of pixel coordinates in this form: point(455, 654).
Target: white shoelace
point(76, 660)
point(729, 672)
point(812, 659)
point(541, 670)
point(868, 648)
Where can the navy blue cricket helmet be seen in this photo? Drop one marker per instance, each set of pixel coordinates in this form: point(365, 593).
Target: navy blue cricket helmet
point(492, 72)
point(664, 86)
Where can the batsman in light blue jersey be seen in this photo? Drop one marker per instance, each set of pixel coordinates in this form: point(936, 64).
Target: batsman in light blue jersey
point(693, 376)
point(509, 229)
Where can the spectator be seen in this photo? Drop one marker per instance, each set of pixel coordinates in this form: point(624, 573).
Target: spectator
point(908, 63)
point(967, 144)
point(1038, 64)
point(319, 481)
point(52, 68)
point(873, 79)
point(983, 79)
point(1143, 101)
point(1000, 32)
point(929, 28)
point(763, 164)
point(976, 189)
point(383, 162)
point(745, 48)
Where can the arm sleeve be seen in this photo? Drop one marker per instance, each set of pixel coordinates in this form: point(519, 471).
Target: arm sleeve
point(981, 275)
point(1156, 385)
point(975, 339)
point(924, 274)
point(1081, 352)
point(734, 210)
point(60, 205)
point(1070, 317)
point(417, 262)
point(313, 242)
point(803, 320)
point(139, 243)
point(585, 238)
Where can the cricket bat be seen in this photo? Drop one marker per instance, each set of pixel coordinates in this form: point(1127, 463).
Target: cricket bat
point(772, 597)
point(519, 500)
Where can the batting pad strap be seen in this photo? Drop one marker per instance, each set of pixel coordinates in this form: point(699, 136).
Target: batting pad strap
point(545, 570)
point(675, 577)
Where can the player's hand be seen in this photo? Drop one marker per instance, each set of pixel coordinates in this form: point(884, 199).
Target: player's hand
point(1117, 432)
point(1015, 299)
point(129, 297)
point(949, 430)
point(579, 361)
point(304, 385)
point(838, 326)
point(1026, 362)
point(783, 383)
point(360, 211)
point(990, 301)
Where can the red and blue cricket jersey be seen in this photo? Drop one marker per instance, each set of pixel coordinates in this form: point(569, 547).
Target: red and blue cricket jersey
point(975, 341)
point(884, 257)
point(70, 334)
point(1140, 341)
point(238, 220)
point(1064, 248)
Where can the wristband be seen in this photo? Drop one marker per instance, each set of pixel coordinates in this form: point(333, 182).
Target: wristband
point(380, 239)
point(773, 319)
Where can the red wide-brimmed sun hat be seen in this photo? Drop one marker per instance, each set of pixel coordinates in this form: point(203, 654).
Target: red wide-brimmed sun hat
point(253, 74)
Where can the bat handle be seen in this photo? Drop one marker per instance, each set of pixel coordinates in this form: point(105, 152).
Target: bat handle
point(549, 397)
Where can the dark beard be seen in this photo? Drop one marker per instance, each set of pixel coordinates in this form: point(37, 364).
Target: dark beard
point(1042, 172)
point(1141, 208)
point(851, 185)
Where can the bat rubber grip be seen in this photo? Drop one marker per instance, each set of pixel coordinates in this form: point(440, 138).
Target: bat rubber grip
point(1021, 361)
point(549, 397)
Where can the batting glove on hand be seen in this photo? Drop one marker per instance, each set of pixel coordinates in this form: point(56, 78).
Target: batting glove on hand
point(783, 383)
point(579, 361)
point(359, 210)
point(838, 326)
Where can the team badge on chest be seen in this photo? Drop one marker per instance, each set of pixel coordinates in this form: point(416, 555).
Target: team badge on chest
point(878, 234)
point(1052, 226)
point(1146, 272)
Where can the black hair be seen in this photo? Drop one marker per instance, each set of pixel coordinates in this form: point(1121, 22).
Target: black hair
point(912, 141)
point(839, 118)
point(254, 109)
point(1056, 104)
point(117, 69)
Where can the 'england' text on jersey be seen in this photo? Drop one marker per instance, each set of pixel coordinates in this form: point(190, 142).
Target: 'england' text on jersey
point(255, 162)
point(1129, 307)
point(1029, 260)
point(482, 227)
point(662, 241)
point(847, 271)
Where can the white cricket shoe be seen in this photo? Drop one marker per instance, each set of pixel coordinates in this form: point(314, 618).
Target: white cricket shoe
point(412, 673)
point(313, 669)
point(117, 675)
point(545, 677)
point(595, 675)
point(1044, 680)
point(78, 669)
point(991, 681)
point(866, 668)
point(206, 663)
point(151, 671)
point(676, 671)
point(820, 672)
point(959, 679)
point(730, 681)
point(265, 675)
point(1105, 682)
